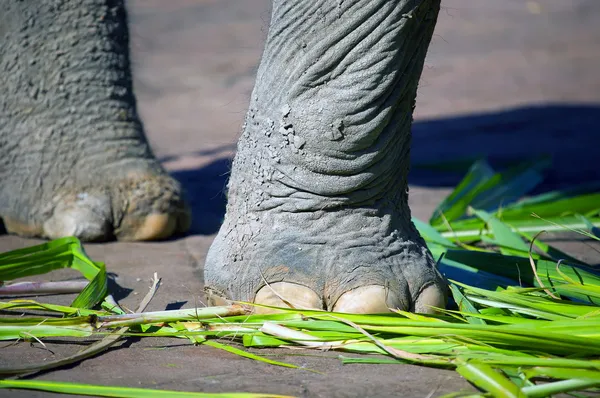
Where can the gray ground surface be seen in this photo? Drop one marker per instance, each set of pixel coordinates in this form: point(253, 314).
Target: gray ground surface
point(504, 79)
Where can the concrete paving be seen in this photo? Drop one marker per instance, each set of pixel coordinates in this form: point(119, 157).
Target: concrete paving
point(506, 80)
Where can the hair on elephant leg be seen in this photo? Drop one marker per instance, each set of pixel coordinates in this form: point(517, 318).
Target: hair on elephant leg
point(317, 211)
point(73, 156)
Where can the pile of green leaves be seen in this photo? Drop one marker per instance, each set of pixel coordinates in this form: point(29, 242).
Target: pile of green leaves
point(525, 319)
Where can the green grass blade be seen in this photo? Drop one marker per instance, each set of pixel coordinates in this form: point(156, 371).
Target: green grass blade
point(372, 360)
point(563, 386)
point(484, 189)
point(121, 392)
point(519, 270)
point(431, 235)
point(510, 185)
point(249, 355)
point(34, 305)
point(456, 203)
point(560, 195)
point(60, 253)
point(583, 204)
point(486, 378)
point(471, 229)
point(590, 226)
point(95, 291)
point(552, 252)
point(262, 340)
point(561, 308)
point(465, 305)
point(17, 332)
point(509, 241)
point(562, 373)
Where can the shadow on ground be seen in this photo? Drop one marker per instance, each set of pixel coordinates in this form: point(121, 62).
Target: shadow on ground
point(569, 134)
point(444, 148)
point(205, 190)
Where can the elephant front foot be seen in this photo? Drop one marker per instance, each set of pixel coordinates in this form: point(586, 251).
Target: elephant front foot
point(354, 260)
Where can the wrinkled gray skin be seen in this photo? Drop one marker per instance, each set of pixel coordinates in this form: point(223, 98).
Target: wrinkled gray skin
point(73, 156)
point(318, 189)
point(317, 208)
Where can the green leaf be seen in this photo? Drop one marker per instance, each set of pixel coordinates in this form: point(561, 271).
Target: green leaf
point(509, 241)
point(473, 228)
point(594, 230)
point(60, 253)
point(465, 305)
point(563, 386)
point(482, 188)
point(542, 307)
point(13, 328)
point(431, 235)
point(121, 392)
point(456, 203)
point(583, 204)
point(249, 355)
point(262, 340)
point(34, 305)
point(486, 378)
point(371, 360)
point(519, 270)
point(562, 373)
point(552, 252)
point(16, 332)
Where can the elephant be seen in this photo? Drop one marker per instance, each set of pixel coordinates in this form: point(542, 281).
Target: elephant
point(317, 209)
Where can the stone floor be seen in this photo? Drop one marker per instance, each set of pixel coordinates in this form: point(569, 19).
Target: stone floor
point(507, 80)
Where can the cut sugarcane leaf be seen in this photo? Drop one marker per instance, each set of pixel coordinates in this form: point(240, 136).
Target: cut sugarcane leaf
point(584, 204)
point(120, 392)
point(456, 203)
point(456, 270)
point(486, 378)
point(465, 305)
point(249, 355)
point(562, 373)
point(30, 327)
point(262, 340)
point(519, 270)
point(431, 235)
point(472, 229)
point(60, 253)
point(594, 230)
point(559, 195)
point(552, 252)
point(558, 387)
point(34, 305)
point(507, 187)
point(483, 188)
point(509, 241)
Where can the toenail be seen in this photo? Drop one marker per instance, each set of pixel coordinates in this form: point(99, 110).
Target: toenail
point(280, 293)
point(151, 227)
point(429, 299)
point(369, 299)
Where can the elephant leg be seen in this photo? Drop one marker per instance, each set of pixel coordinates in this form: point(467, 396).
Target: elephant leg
point(73, 156)
point(317, 211)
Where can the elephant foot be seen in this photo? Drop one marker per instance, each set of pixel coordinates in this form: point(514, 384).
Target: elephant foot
point(354, 260)
point(140, 206)
point(74, 159)
point(317, 213)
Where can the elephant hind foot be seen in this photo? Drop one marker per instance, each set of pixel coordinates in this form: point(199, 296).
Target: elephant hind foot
point(134, 208)
point(74, 159)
